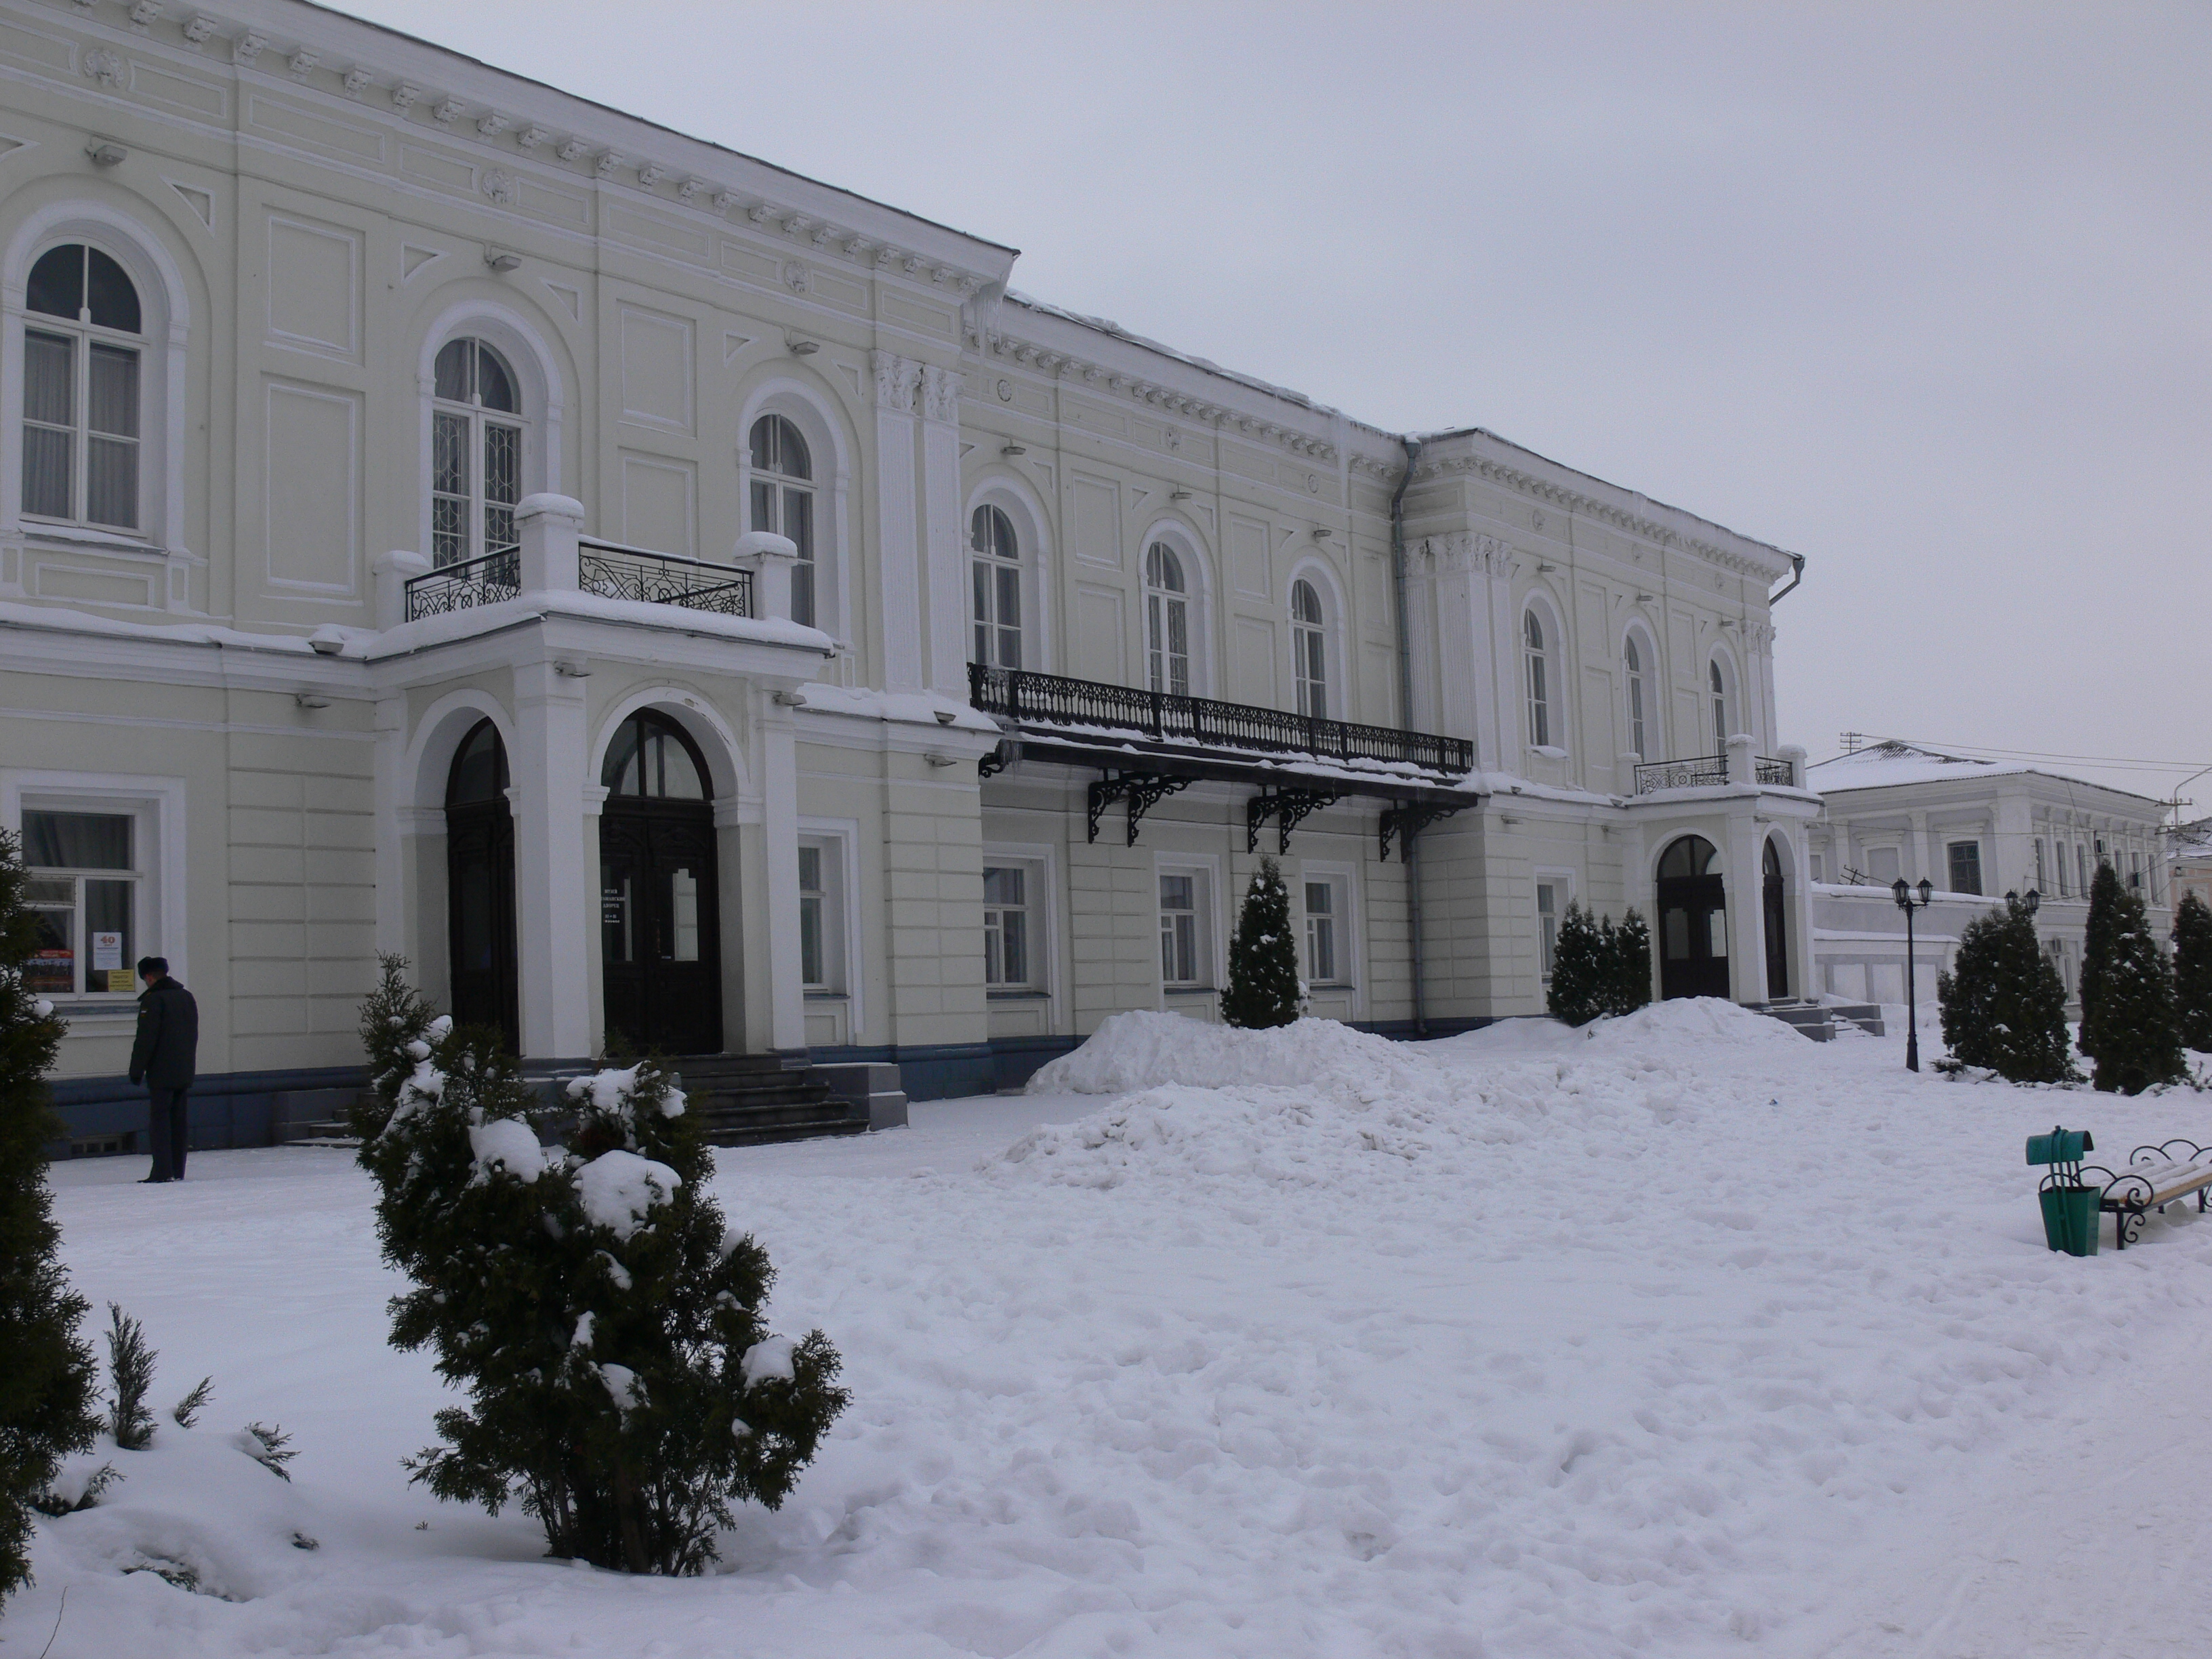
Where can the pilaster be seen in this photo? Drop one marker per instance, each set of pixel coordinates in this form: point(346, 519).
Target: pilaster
point(944, 539)
point(556, 874)
point(898, 556)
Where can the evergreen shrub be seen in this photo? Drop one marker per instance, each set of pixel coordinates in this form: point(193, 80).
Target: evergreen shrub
point(1263, 988)
point(1598, 969)
point(2192, 972)
point(2129, 1026)
point(2003, 1004)
point(2099, 933)
point(46, 1405)
point(603, 1321)
point(1632, 947)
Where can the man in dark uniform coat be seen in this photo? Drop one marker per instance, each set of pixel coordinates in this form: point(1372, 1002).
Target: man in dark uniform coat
point(163, 1058)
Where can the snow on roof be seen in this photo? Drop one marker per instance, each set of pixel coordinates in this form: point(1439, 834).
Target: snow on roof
point(1895, 764)
point(2191, 841)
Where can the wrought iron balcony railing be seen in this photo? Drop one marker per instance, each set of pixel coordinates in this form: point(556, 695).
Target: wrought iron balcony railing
point(1021, 695)
point(606, 568)
point(1706, 772)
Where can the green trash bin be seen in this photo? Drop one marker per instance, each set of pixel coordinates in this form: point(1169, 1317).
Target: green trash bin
point(2070, 1218)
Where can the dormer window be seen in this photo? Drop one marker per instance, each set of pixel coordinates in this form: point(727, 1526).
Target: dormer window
point(82, 360)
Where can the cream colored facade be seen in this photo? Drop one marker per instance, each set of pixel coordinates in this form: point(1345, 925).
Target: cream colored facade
point(312, 212)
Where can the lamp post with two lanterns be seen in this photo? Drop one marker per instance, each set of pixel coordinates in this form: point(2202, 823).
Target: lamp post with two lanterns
point(1908, 903)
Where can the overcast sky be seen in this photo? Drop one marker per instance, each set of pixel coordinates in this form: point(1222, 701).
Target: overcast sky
point(1924, 293)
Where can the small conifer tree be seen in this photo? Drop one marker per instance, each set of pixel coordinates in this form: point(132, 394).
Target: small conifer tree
point(46, 1405)
point(2099, 939)
point(2192, 972)
point(2132, 1035)
point(603, 1321)
point(1263, 988)
point(1631, 984)
point(1585, 969)
point(2003, 1004)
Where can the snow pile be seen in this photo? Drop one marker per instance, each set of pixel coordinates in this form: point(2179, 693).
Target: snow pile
point(619, 1189)
point(1701, 1020)
point(506, 1144)
point(611, 1092)
point(1144, 1050)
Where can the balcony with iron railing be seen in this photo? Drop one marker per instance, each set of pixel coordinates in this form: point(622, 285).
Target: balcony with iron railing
point(1717, 771)
point(1028, 698)
point(551, 555)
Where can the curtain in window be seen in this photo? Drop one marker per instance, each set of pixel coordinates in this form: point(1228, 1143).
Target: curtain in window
point(111, 441)
point(49, 415)
point(76, 841)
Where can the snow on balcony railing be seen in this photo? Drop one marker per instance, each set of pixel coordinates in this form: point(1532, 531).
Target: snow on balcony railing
point(606, 568)
point(1709, 771)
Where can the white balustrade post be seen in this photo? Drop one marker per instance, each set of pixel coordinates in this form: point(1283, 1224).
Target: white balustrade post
point(769, 557)
point(1793, 753)
point(547, 526)
point(394, 570)
point(1742, 763)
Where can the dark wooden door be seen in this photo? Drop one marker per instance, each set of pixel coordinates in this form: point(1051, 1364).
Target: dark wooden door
point(1777, 931)
point(660, 942)
point(480, 917)
point(1693, 955)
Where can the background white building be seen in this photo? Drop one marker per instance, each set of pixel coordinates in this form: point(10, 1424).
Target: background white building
point(669, 599)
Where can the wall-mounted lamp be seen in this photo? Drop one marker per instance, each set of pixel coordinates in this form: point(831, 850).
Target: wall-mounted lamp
point(1647, 598)
point(502, 261)
point(569, 670)
point(1322, 532)
point(936, 759)
point(789, 699)
point(327, 640)
point(309, 700)
point(105, 154)
point(1012, 450)
point(802, 348)
point(1178, 494)
point(946, 717)
point(1545, 569)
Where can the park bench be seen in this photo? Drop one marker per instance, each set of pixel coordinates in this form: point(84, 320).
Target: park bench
point(2155, 1178)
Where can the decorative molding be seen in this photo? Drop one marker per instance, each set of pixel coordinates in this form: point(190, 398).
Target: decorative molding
point(248, 46)
point(491, 123)
point(355, 79)
point(499, 184)
point(144, 13)
point(897, 379)
point(103, 66)
point(532, 135)
point(404, 95)
point(301, 61)
point(1465, 552)
point(199, 30)
point(448, 110)
point(651, 174)
point(940, 393)
point(571, 150)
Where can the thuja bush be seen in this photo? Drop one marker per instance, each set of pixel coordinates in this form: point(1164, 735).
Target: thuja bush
point(1263, 988)
point(2192, 971)
point(46, 1405)
point(1598, 969)
point(2129, 1026)
point(2003, 1004)
point(603, 1321)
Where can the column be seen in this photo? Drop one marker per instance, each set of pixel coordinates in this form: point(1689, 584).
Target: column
point(898, 556)
point(786, 1010)
point(393, 843)
point(1746, 885)
point(943, 531)
point(556, 873)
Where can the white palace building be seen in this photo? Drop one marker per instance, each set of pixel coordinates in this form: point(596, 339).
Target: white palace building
point(673, 601)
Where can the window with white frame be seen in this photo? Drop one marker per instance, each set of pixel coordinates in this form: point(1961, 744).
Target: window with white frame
point(476, 452)
point(1632, 659)
point(1010, 933)
point(1540, 680)
point(83, 357)
point(821, 916)
point(1167, 621)
point(1717, 680)
point(1185, 947)
point(996, 573)
point(1551, 904)
point(83, 895)
point(1310, 650)
point(1328, 928)
point(1965, 861)
point(783, 501)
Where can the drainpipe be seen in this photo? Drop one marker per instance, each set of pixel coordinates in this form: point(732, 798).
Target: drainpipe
point(1407, 846)
point(1796, 575)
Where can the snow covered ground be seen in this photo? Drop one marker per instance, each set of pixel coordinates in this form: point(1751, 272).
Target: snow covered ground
point(1691, 1337)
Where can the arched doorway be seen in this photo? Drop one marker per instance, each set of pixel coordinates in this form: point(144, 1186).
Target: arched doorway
point(1777, 931)
point(480, 885)
point(660, 953)
point(1692, 921)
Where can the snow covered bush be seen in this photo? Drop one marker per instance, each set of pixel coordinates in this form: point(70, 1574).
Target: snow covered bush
point(2192, 971)
point(2003, 1004)
point(1598, 969)
point(1263, 988)
point(2128, 1022)
point(602, 1321)
point(46, 1370)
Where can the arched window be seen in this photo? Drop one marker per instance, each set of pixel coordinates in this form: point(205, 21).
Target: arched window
point(997, 573)
point(1719, 683)
point(476, 452)
point(81, 361)
point(1633, 658)
point(783, 501)
point(1167, 621)
point(1539, 691)
point(652, 759)
point(479, 770)
point(1310, 650)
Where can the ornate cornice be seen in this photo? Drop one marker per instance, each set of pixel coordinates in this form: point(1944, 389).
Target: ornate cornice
point(579, 153)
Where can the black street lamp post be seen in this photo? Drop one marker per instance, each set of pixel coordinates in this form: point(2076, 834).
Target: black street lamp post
point(1907, 902)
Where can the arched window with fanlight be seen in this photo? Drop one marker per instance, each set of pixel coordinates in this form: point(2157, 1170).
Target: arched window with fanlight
point(1639, 695)
point(996, 573)
point(783, 501)
point(476, 452)
point(1717, 679)
point(84, 346)
point(1540, 678)
point(1310, 650)
point(1167, 621)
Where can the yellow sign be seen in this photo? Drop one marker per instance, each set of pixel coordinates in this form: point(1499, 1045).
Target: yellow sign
point(122, 979)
